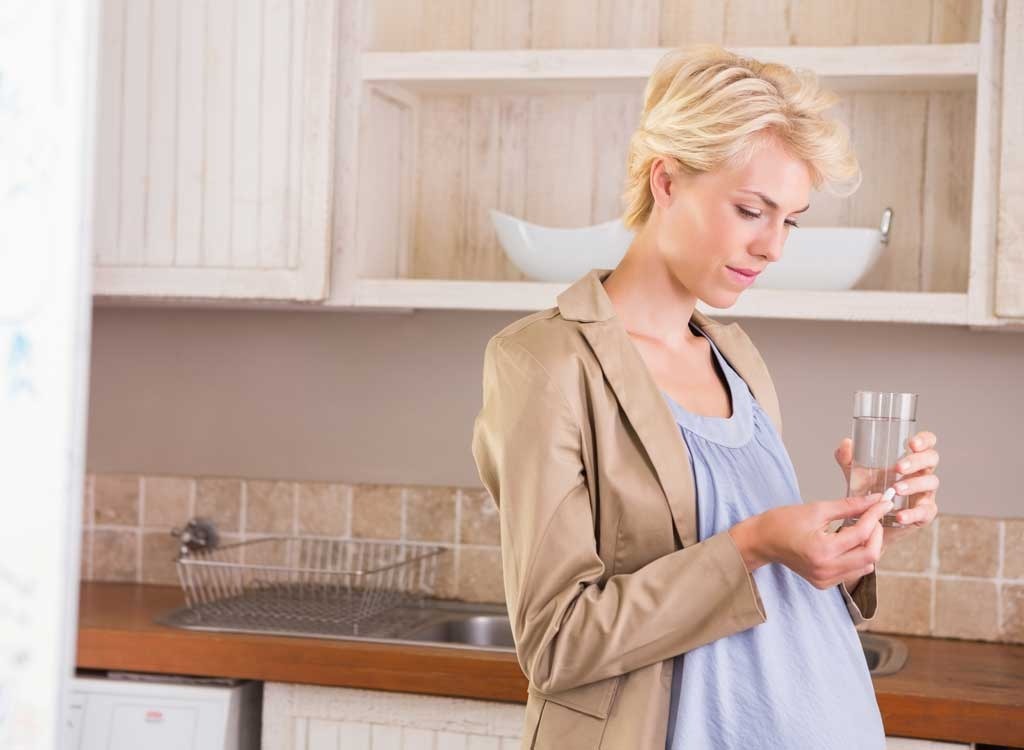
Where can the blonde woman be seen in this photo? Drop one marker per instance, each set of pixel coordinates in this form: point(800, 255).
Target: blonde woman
point(667, 586)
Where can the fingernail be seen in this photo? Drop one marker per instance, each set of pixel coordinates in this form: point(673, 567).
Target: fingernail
point(889, 495)
point(901, 488)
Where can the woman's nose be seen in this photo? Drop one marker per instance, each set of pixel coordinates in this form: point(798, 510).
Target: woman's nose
point(770, 245)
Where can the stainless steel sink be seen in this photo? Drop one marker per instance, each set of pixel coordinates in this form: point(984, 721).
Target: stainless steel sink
point(884, 654)
point(481, 630)
point(458, 625)
point(455, 624)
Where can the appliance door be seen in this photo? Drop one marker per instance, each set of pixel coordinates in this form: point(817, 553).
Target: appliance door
point(118, 720)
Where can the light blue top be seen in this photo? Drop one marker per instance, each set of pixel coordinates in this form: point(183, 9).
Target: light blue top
point(799, 680)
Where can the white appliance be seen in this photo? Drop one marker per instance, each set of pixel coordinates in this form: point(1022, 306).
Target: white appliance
point(124, 711)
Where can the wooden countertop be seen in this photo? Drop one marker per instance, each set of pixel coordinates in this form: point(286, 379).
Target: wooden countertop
point(964, 691)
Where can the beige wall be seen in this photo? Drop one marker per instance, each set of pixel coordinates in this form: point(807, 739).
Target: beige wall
point(390, 398)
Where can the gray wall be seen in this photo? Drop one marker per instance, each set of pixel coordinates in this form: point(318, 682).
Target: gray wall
point(366, 397)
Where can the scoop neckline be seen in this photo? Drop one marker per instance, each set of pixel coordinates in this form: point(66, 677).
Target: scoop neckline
point(734, 430)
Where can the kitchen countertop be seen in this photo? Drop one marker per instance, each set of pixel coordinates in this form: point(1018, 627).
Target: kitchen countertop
point(964, 691)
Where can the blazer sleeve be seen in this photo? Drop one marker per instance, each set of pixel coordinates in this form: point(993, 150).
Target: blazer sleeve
point(571, 625)
point(862, 602)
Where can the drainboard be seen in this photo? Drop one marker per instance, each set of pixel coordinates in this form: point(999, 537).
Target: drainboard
point(436, 622)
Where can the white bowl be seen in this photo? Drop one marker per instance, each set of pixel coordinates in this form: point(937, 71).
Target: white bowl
point(823, 258)
point(816, 258)
point(555, 254)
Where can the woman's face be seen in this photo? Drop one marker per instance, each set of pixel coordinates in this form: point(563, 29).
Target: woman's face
point(712, 225)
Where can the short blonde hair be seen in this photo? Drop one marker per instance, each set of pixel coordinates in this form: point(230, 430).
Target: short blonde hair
point(706, 107)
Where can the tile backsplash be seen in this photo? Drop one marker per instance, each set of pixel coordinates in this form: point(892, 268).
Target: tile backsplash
point(128, 520)
point(962, 577)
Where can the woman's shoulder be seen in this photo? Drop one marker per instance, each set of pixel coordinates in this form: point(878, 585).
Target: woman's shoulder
point(552, 342)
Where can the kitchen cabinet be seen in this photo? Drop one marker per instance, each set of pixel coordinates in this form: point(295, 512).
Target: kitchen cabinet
point(214, 149)
point(346, 154)
point(1010, 228)
point(528, 109)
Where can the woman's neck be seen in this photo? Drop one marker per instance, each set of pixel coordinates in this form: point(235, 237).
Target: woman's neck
point(648, 299)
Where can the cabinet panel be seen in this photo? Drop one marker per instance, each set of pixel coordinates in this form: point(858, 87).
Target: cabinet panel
point(1010, 227)
point(306, 717)
point(215, 148)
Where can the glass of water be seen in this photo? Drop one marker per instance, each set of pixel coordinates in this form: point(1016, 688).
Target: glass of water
point(883, 424)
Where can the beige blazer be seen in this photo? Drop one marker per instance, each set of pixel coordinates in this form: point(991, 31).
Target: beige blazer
point(604, 577)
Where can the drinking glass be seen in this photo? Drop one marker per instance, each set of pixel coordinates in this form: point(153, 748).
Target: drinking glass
point(883, 423)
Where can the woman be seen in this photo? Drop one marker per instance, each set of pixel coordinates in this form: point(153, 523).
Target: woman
point(666, 585)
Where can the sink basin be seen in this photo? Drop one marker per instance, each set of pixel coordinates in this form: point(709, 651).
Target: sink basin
point(885, 655)
point(489, 631)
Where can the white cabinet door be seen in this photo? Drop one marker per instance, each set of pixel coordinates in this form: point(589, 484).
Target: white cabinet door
point(307, 717)
point(1010, 227)
point(214, 148)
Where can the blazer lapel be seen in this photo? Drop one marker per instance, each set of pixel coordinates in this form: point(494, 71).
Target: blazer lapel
point(640, 397)
point(646, 410)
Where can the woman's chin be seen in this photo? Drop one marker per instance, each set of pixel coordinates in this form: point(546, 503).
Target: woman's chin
point(721, 299)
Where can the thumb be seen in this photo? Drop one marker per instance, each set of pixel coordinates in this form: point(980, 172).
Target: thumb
point(844, 453)
point(849, 506)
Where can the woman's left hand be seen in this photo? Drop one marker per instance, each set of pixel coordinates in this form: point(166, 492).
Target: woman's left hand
point(918, 483)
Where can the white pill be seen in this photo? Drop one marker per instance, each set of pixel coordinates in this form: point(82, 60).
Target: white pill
point(889, 494)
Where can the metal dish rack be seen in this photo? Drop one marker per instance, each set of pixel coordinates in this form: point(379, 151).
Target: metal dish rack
point(302, 585)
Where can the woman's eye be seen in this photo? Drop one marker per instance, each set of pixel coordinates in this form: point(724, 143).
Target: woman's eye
point(751, 215)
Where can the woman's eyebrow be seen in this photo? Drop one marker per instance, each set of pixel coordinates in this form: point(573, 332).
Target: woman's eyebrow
point(772, 203)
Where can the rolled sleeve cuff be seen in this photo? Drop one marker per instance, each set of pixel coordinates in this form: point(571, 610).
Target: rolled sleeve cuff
point(863, 600)
point(748, 609)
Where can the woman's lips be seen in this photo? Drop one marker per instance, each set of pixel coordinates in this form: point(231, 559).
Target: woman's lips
point(743, 278)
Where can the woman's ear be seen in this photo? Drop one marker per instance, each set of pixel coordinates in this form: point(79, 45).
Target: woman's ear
point(661, 181)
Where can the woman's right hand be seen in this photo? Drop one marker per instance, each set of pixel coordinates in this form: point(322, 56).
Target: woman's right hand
point(798, 536)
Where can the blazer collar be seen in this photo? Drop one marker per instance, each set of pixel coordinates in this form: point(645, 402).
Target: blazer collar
point(587, 302)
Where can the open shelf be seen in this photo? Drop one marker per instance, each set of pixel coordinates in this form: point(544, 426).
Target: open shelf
point(854, 305)
point(898, 67)
point(450, 133)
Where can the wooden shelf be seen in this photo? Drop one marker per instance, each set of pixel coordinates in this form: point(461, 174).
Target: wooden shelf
point(854, 305)
point(874, 67)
